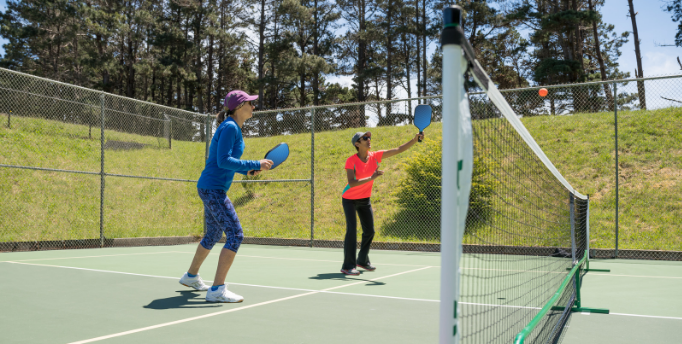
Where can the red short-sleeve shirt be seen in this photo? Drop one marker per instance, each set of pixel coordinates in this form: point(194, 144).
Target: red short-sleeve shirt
point(362, 170)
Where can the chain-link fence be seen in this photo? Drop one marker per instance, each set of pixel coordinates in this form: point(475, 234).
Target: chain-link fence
point(82, 168)
point(617, 141)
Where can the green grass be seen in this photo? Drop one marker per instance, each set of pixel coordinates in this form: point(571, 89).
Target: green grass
point(39, 205)
point(650, 167)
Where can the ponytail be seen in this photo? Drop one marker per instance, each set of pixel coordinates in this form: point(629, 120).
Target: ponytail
point(220, 117)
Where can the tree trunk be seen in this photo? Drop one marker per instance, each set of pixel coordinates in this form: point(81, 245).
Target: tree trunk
point(261, 53)
point(130, 87)
point(578, 56)
point(407, 74)
point(221, 64)
point(199, 66)
point(302, 71)
point(169, 93)
point(639, 73)
point(153, 84)
point(389, 36)
point(426, 64)
point(316, 74)
point(416, 36)
point(209, 75)
point(362, 48)
point(602, 66)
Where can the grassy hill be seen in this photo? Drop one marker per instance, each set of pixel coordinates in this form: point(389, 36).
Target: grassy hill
point(40, 205)
point(650, 167)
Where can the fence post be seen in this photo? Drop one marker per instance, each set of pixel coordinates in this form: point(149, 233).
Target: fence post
point(209, 126)
point(615, 117)
point(168, 129)
point(90, 120)
point(312, 177)
point(101, 173)
point(9, 120)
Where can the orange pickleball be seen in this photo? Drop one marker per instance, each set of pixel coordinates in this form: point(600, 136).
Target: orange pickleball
point(542, 92)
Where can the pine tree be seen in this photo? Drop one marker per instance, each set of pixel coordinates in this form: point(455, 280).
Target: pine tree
point(354, 54)
point(43, 38)
point(301, 21)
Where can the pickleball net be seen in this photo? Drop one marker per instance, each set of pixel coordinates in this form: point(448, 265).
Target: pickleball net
point(526, 230)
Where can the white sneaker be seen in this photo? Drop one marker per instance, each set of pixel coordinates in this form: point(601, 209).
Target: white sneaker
point(223, 295)
point(194, 282)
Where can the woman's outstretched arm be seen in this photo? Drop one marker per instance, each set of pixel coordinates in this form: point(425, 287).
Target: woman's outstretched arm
point(391, 152)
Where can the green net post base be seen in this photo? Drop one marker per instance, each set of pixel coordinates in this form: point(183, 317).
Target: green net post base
point(590, 310)
point(582, 309)
point(595, 270)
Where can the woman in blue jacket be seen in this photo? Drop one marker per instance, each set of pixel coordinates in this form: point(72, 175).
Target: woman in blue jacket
point(227, 146)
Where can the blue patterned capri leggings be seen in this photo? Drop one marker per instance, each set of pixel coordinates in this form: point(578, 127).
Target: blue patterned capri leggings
point(220, 217)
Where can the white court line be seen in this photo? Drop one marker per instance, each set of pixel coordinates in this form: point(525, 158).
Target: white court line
point(332, 261)
point(107, 255)
point(232, 310)
point(231, 283)
point(646, 316)
point(582, 313)
point(240, 255)
point(501, 306)
point(639, 276)
point(565, 272)
point(529, 271)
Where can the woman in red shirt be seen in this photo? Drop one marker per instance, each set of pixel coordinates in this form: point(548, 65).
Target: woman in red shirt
point(361, 170)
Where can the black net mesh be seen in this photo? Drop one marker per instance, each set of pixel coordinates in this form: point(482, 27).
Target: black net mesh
point(524, 231)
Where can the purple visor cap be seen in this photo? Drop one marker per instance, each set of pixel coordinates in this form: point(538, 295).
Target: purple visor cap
point(236, 97)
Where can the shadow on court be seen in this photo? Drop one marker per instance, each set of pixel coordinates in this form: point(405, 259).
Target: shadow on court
point(341, 277)
point(186, 299)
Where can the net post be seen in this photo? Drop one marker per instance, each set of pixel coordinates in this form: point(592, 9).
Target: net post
point(587, 234)
point(615, 125)
point(573, 242)
point(451, 233)
point(209, 129)
point(170, 130)
point(312, 176)
point(101, 172)
point(578, 283)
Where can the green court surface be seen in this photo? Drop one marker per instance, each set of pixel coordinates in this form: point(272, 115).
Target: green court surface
point(644, 297)
point(292, 295)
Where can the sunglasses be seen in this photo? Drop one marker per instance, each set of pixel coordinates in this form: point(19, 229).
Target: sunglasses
point(365, 138)
point(248, 102)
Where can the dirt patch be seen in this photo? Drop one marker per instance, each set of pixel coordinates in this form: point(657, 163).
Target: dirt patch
point(122, 145)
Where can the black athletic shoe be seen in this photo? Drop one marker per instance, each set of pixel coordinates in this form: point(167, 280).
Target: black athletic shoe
point(351, 272)
point(368, 266)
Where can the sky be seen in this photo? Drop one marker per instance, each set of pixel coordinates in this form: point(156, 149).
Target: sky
point(655, 28)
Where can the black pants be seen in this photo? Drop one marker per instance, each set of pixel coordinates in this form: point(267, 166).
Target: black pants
point(363, 207)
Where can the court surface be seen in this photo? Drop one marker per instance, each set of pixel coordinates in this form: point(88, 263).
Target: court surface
point(292, 295)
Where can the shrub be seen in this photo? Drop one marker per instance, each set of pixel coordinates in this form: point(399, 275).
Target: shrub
point(419, 193)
